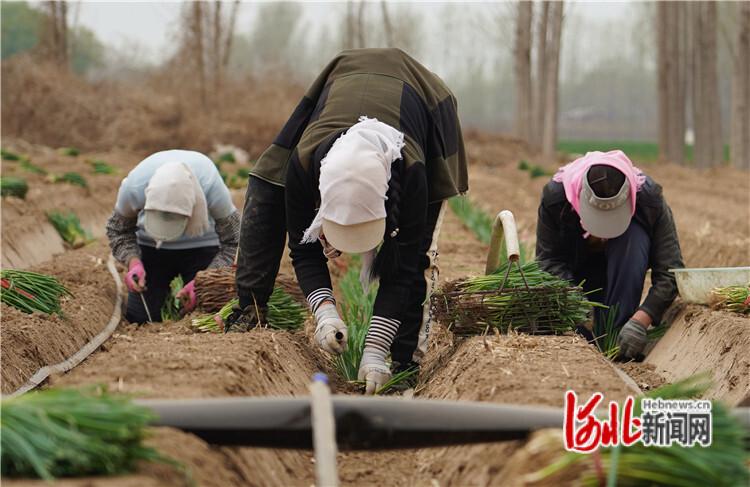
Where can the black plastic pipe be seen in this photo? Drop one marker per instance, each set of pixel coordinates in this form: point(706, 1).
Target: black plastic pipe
point(362, 423)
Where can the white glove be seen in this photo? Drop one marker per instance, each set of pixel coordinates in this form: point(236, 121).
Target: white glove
point(373, 370)
point(329, 325)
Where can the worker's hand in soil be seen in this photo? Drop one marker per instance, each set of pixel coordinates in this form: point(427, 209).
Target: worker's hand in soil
point(135, 278)
point(187, 296)
point(373, 370)
point(632, 340)
point(244, 319)
point(330, 332)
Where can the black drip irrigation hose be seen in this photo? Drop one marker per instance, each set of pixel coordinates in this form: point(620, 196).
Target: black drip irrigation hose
point(362, 423)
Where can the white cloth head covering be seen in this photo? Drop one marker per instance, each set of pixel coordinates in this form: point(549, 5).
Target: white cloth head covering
point(174, 190)
point(354, 175)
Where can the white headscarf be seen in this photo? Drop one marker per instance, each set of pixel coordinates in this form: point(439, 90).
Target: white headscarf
point(354, 178)
point(354, 175)
point(174, 188)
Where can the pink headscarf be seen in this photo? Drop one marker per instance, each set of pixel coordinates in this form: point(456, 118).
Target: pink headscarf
point(571, 175)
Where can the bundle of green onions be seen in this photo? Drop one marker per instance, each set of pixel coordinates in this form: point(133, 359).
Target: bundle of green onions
point(66, 433)
point(10, 186)
point(8, 155)
point(733, 298)
point(549, 304)
point(69, 151)
point(69, 227)
point(30, 292)
point(284, 313)
point(171, 310)
point(101, 167)
point(73, 178)
point(26, 165)
point(723, 463)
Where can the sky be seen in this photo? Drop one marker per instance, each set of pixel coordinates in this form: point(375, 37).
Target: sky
point(151, 26)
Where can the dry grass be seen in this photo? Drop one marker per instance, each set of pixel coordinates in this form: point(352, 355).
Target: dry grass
point(45, 106)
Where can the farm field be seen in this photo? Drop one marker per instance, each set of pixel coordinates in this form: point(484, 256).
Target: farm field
point(171, 361)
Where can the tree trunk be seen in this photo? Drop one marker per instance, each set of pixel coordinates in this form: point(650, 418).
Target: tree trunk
point(740, 124)
point(229, 38)
point(387, 26)
point(197, 28)
point(673, 53)
point(216, 57)
point(63, 26)
point(663, 66)
point(361, 25)
point(549, 138)
point(707, 150)
point(538, 96)
point(522, 52)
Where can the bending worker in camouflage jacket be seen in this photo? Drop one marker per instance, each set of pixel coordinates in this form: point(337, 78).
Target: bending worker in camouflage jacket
point(363, 165)
point(604, 222)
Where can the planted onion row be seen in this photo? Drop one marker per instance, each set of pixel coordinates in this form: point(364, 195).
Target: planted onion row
point(30, 291)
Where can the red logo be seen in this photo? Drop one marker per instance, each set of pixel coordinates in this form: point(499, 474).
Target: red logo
point(584, 432)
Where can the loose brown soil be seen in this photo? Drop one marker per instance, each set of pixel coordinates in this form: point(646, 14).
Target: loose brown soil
point(703, 340)
point(33, 341)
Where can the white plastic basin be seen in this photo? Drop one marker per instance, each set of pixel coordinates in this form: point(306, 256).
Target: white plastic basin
point(695, 285)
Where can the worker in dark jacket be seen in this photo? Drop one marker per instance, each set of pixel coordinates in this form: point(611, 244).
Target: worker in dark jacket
point(602, 221)
point(370, 155)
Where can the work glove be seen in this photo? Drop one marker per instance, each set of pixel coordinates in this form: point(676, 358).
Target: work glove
point(244, 319)
point(187, 296)
point(330, 332)
point(632, 340)
point(135, 278)
point(373, 370)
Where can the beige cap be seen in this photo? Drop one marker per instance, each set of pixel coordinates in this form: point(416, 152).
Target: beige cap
point(356, 238)
point(170, 199)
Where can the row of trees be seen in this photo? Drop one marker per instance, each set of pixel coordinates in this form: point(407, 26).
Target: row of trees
point(687, 76)
point(51, 32)
point(537, 90)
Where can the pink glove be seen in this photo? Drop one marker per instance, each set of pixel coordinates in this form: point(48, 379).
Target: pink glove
point(187, 296)
point(135, 279)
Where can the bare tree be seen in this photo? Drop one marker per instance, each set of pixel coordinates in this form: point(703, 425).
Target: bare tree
point(672, 53)
point(197, 48)
point(229, 36)
point(538, 97)
point(740, 122)
point(361, 39)
point(705, 90)
point(522, 65)
point(552, 70)
point(54, 36)
point(387, 26)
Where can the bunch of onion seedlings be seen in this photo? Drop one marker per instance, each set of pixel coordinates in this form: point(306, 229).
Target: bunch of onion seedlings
point(529, 300)
point(733, 298)
point(284, 313)
point(67, 433)
point(30, 291)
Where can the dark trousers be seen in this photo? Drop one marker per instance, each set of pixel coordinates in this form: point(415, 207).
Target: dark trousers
point(416, 318)
point(617, 273)
point(161, 267)
point(262, 238)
